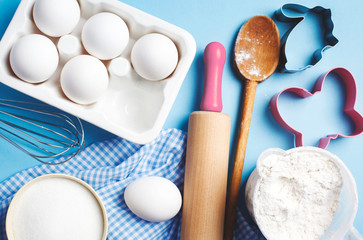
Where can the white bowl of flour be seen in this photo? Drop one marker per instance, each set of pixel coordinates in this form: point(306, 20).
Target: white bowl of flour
point(302, 193)
point(56, 207)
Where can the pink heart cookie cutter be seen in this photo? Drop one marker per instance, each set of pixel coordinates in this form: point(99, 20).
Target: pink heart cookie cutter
point(351, 94)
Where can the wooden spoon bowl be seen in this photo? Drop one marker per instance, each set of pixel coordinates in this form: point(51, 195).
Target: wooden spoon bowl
point(257, 48)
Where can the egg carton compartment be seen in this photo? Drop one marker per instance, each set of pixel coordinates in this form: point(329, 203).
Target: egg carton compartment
point(132, 107)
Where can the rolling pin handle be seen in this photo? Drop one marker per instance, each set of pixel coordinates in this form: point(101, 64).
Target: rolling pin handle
point(214, 58)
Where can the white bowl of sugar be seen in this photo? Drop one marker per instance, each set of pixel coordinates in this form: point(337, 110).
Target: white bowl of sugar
point(56, 207)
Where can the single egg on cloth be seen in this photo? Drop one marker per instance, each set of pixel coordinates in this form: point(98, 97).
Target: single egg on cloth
point(154, 56)
point(105, 35)
point(84, 79)
point(153, 199)
point(56, 18)
point(34, 58)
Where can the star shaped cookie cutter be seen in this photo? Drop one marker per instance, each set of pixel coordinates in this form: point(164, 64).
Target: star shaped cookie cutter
point(329, 40)
point(351, 93)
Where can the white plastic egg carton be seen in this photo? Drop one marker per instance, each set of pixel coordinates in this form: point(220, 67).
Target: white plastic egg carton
point(132, 107)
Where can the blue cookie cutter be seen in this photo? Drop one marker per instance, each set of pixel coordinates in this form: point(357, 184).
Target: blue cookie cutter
point(329, 40)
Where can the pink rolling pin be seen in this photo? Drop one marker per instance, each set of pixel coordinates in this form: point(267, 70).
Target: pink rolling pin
point(206, 166)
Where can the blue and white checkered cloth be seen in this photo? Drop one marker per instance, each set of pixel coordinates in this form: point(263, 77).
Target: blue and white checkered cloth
point(108, 167)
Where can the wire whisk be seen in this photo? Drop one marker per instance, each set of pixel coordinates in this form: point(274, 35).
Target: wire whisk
point(41, 131)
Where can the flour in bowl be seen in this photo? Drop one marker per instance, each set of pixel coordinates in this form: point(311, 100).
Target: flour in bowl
point(298, 195)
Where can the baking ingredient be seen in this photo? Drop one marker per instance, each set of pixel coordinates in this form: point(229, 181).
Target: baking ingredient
point(297, 195)
point(34, 58)
point(105, 35)
point(56, 18)
point(154, 56)
point(57, 209)
point(84, 79)
point(153, 198)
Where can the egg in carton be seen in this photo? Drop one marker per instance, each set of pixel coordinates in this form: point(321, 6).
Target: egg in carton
point(101, 60)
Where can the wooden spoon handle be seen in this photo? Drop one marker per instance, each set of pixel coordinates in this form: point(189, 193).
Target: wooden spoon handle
point(235, 182)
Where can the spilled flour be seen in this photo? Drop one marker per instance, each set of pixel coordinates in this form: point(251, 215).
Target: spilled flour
point(298, 195)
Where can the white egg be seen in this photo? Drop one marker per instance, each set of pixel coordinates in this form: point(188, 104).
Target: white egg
point(84, 79)
point(34, 58)
point(56, 17)
point(153, 199)
point(105, 35)
point(154, 56)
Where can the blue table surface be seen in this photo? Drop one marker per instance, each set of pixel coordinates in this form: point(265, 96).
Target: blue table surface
point(217, 20)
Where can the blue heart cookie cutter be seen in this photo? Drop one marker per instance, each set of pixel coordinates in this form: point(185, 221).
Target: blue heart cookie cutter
point(329, 40)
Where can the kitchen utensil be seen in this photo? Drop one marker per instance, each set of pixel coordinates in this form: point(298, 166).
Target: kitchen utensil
point(257, 51)
point(295, 14)
point(207, 154)
point(40, 131)
point(342, 224)
point(73, 193)
point(351, 94)
point(132, 107)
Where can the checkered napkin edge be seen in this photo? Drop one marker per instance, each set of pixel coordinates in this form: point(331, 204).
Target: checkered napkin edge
point(108, 167)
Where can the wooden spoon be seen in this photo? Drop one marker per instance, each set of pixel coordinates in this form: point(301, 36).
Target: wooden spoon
point(256, 52)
